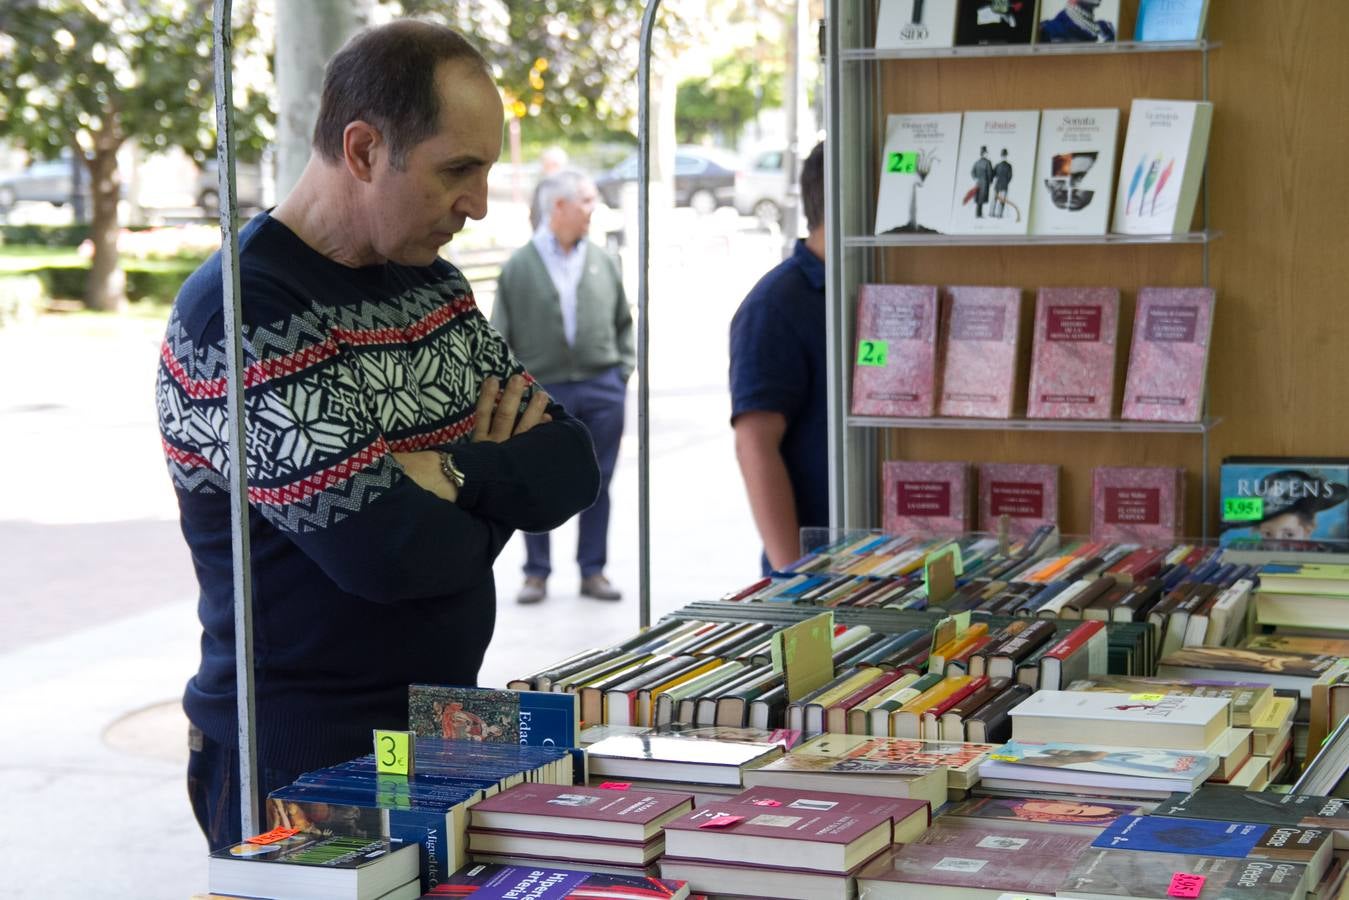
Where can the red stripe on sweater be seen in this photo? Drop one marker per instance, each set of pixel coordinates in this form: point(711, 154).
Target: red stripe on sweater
point(321, 480)
point(437, 438)
point(258, 373)
point(185, 457)
point(414, 332)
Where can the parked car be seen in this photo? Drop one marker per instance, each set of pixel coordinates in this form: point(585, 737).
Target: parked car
point(248, 190)
point(704, 179)
point(44, 181)
point(761, 188)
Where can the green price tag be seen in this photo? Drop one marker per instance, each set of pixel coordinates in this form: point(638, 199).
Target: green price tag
point(872, 353)
point(393, 792)
point(393, 752)
point(903, 163)
point(1243, 509)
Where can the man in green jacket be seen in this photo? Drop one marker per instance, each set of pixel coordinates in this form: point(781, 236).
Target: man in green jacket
point(560, 306)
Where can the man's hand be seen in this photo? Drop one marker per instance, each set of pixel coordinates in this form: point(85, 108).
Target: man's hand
point(423, 467)
point(496, 414)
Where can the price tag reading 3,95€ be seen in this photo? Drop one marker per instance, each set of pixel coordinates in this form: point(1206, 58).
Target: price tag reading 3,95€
point(1243, 509)
point(394, 751)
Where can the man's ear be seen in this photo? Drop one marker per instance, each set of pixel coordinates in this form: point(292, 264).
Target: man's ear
point(362, 147)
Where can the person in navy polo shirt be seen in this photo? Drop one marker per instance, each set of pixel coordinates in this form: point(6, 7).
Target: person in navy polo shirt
point(778, 387)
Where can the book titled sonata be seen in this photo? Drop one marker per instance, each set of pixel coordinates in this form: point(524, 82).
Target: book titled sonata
point(1074, 171)
point(980, 330)
point(1027, 494)
point(1137, 504)
point(1168, 359)
point(1072, 373)
point(926, 498)
point(895, 370)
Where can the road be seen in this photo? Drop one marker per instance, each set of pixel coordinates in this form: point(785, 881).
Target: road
point(99, 631)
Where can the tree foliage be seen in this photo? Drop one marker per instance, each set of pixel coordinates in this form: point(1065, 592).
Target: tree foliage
point(724, 102)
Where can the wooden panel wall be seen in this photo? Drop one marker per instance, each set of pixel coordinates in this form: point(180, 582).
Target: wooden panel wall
point(1278, 187)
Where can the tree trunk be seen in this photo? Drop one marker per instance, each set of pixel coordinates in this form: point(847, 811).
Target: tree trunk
point(106, 288)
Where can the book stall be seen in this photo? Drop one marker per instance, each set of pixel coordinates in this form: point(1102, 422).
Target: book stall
point(1087, 659)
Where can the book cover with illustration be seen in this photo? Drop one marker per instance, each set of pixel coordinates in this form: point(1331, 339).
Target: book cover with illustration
point(1088, 812)
point(1215, 837)
point(1285, 500)
point(1170, 20)
point(1123, 873)
point(306, 865)
point(850, 752)
point(1168, 358)
point(1133, 762)
point(896, 367)
point(1028, 494)
point(1078, 22)
point(926, 498)
point(1191, 722)
point(1074, 171)
point(980, 331)
point(494, 881)
point(915, 24)
point(995, 172)
point(1137, 504)
point(1268, 808)
point(918, 173)
point(1162, 166)
point(535, 718)
point(1072, 374)
point(995, 22)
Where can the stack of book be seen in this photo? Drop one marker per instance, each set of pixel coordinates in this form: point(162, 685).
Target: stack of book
point(676, 762)
point(613, 829)
point(1303, 596)
point(880, 767)
point(311, 867)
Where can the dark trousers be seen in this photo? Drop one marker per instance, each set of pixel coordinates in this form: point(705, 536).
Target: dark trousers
point(213, 788)
point(598, 402)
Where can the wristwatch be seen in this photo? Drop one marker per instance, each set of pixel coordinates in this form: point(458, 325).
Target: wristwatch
point(452, 472)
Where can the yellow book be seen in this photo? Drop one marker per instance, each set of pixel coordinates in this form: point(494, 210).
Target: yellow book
point(953, 648)
point(645, 696)
point(814, 709)
point(905, 722)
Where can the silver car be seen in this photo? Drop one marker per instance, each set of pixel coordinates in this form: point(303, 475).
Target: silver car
point(761, 188)
point(45, 181)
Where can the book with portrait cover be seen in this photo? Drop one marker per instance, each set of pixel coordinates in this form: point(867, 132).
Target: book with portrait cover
point(979, 856)
point(1285, 499)
point(1071, 22)
point(1054, 812)
point(980, 328)
point(918, 173)
point(995, 172)
point(896, 366)
point(915, 24)
point(1137, 504)
point(926, 498)
point(1074, 171)
point(1027, 494)
point(1168, 358)
point(493, 881)
point(1072, 373)
point(995, 22)
point(1148, 876)
point(1162, 166)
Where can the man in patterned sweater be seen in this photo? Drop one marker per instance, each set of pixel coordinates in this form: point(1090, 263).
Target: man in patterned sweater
point(393, 442)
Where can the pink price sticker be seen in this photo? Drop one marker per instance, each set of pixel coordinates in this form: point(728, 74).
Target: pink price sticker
point(616, 785)
point(766, 802)
point(1183, 884)
point(721, 821)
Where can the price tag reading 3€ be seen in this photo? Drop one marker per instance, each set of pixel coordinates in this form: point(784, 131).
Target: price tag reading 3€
point(394, 751)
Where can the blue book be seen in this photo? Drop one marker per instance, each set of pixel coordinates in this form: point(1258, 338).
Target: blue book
point(1170, 20)
point(1234, 840)
point(532, 718)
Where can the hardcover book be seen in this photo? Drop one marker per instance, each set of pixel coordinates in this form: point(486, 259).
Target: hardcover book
point(1250, 700)
point(924, 499)
point(305, 866)
point(1137, 505)
point(1168, 359)
point(910, 817)
point(915, 24)
point(980, 328)
point(995, 22)
point(995, 173)
point(1032, 811)
point(1071, 22)
point(493, 716)
point(855, 764)
point(918, 173)
point(989, 857)
point(1027, 494)
point(1170, 20)
point(1162, 166)
point(1074, 171)
point(1173, 721)
point(491, 881)
point(1148, 876)
point(1285, 499)
point(896, 367)
point(1093, 765)
point(1072, 374)
point(547, 809)
point(816, 840)
point(1296, 671)
point(657, 758)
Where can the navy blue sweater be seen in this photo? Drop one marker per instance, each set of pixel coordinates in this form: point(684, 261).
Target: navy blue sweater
point(362, 581)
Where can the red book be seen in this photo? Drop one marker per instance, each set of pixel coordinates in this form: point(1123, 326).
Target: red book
point(1078, 654)
point(932, 715)
point(818, 841)
point(895, 370)
point(910, 817)
point(926, 498)
point(1168, 359)
point(836, 717)
point(1072, 373)
point(980, 328)
point(1137, 505)
point(1027, 494)
point(630, 815)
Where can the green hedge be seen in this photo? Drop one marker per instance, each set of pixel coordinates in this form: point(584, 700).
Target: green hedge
point(158, 285)
point(51, 235)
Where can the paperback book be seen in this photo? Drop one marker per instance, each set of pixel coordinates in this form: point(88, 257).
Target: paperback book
point(980, 330)
point(1027, 494)
point(492, 881)
point(1285, 499)
point(306, 866)
point(1033, 811)
point(1174, 721)
point(1143, 505)
point(1072, 22)
point(1168, 359)
point(896, 367)
point(1149, 876)
point(995, 173)
point(995, 22)
point(915, 24)
point(1162, 166)
point(1170, 20)
point(918, 173)
point(494, 716)
point(924, 498)
point(1074, 171)
point(1098, 765)
point(1212, 837)
point(676, 759)
point(1072, 372)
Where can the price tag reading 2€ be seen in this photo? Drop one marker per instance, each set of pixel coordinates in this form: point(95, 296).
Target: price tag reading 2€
point(872, 353)
point(394, 752)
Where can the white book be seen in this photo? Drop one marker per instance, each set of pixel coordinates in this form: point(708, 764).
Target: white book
point(1162, 166)
point(1064, 22)
point(1172, 721)
point(1074, 171)
point(918, 173)
point(916, 24)
point(995, 172)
